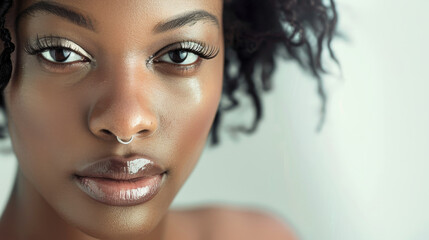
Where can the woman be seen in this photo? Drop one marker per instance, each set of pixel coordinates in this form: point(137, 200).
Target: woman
point(109, 107)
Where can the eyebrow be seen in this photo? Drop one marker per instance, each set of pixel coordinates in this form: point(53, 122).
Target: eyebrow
point(186, 19)
point(58, 10)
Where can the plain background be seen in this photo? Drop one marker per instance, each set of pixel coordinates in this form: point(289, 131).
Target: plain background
point(365, 175)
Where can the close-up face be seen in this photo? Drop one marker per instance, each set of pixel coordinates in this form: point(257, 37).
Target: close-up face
point(87, 73)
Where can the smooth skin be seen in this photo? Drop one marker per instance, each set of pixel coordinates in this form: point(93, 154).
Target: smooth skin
point(64, 115)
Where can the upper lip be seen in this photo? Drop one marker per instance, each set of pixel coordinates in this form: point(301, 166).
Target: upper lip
point(120, 168)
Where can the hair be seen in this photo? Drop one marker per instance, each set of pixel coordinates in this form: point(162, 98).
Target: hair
point(256, 32)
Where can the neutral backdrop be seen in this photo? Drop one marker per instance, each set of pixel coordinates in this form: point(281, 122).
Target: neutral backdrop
point(365, 175)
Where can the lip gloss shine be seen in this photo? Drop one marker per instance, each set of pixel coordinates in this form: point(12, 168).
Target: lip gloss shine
point(121, 182)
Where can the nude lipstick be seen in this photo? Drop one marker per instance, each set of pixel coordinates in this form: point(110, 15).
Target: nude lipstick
point(119, 181)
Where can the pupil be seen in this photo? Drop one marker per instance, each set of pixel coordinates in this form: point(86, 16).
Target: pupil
point(178, 56)
point(59, 55)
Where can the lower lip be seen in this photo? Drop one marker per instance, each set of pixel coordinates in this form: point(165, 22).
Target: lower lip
point(120, 193)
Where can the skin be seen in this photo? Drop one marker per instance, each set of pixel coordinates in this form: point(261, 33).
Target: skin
point(63, 118)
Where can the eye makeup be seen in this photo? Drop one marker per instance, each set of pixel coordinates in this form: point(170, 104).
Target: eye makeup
point(199, 48)
point(44, 43)
point(51, 46)
point(176, 58)
point(188, 48)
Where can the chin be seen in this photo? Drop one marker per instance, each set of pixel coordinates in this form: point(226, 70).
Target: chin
point(103, 221)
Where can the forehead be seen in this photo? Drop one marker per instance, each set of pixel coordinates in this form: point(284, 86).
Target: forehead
point(130, 5)
point(127, 12)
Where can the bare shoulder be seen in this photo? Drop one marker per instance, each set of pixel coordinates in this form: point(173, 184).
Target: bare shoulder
point(234, 223)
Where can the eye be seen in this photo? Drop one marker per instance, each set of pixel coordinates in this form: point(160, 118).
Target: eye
point(179, 57)
point(61, 55)
point(184, 54)
point(57, 51)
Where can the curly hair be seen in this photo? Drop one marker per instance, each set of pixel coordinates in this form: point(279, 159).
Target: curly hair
point(255, 32)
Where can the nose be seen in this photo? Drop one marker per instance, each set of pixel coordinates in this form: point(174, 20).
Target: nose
point(121, 110)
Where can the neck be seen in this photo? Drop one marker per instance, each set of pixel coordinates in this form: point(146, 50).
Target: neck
point(28, 216)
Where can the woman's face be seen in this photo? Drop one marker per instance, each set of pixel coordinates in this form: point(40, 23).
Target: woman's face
point(88, 71)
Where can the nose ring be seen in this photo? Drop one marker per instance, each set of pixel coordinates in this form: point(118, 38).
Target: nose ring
point(125, 142)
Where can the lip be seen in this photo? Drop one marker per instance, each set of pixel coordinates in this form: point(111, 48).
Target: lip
point(121, 181)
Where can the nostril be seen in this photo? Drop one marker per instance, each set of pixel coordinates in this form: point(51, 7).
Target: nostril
point(143, 131)
point(107, 132)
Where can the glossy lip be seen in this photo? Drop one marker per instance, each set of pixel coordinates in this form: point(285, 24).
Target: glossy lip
point(121, 181)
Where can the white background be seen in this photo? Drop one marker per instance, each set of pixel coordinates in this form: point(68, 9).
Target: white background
point(365, 175)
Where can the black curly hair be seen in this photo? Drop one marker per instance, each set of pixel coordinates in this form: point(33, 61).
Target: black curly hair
point(254, 32)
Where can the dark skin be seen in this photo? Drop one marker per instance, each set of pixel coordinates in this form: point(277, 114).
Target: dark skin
point(64, 115)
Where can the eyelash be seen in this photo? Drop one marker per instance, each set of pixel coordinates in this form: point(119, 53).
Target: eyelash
point(46, 43)
point(41, 44)
point(197, 47)
point(51, 42)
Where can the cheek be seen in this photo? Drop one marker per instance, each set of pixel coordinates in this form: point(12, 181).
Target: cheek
point(189, 120)
point(38, 132)
point(46, 127)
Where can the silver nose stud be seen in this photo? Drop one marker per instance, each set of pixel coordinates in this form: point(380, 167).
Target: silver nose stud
point(126, 141)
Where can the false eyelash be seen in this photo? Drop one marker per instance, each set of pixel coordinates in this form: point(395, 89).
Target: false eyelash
point(47, 42)
point(54, 42)
point(199, 48)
